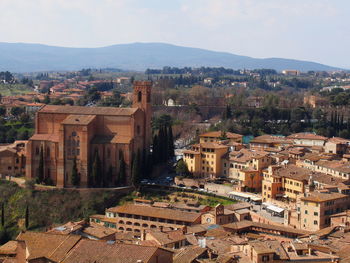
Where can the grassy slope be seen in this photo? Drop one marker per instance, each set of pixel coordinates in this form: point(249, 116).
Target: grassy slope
point(14, 89)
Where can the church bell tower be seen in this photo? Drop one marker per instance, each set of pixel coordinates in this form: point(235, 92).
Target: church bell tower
point(142, 100)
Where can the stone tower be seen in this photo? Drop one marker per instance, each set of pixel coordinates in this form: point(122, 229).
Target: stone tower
point(142, 100)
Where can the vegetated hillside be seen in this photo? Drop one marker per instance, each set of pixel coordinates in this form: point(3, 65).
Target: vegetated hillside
point(49, 207)
point(20, 57)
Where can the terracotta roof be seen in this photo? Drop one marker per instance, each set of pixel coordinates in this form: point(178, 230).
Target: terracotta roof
point(81, 110)
point(67, 228)
point(210, 145)
point(248, 224)
point(10, 248)
point(323, 197)
point(164, 238)
point(340, 166)
point(51, 246)
point(271, 139)
point(189, 254)
point(98, 231)
point(245, 155)
point(307, 136)
point(217, 134)
point(103, 252)
point(45, 137)
point(78, 119)
point(338, 140)
point(150, 211)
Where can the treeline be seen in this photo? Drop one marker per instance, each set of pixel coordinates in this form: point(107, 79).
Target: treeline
point(271, 120)
point(18, 127)
point(208, 71)
point(338, 96)
point(7, 77)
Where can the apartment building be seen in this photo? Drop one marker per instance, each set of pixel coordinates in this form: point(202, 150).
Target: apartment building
point(336, 145)
point(290, 181)
point(307, 139)
point(316, 209)
point(205, 159)
point(141, 216)
point(245, 166)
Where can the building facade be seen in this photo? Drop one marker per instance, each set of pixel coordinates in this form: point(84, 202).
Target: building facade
point(65, 135)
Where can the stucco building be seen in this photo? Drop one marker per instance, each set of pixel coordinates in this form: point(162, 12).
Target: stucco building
point(65, 134)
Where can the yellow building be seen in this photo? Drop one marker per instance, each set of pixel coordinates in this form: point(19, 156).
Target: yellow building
point(317, 208)
point(287, 181)
point(205, 159)
point(246, 166)
point(217, 136)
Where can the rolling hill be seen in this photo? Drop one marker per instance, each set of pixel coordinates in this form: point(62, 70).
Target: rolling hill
point(21, 57)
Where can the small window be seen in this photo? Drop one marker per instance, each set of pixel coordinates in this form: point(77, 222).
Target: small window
point(315, 222)
point(37, 150)
point(74, 134)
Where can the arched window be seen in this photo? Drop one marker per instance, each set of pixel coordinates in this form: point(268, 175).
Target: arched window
point(139, 96)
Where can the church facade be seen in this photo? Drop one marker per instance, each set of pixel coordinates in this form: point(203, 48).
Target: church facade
point(72, 135)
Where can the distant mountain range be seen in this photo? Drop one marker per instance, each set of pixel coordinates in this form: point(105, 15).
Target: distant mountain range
point(20, 57)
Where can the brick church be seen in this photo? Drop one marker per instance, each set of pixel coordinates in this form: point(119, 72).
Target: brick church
point(68, 134)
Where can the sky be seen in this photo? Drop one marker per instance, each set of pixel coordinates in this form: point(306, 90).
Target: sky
point(315, 30)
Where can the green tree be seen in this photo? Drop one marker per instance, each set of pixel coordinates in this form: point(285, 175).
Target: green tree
point(171, 147)
point(97, 171)
point(182, 168)
point(27, 217)
point(40, 171)
point(108, 177)
point(47, 99)
point(75, 176)
point(2, 110)
point(122, 171)
point(135, 173)
point(17, 111)
point(2, 215)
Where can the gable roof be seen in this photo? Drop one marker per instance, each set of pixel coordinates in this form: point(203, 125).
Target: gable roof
point(81, 110)
point(50, 246)
point(89, 251)
point(165, 213)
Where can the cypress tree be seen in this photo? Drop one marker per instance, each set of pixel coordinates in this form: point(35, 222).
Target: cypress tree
point(155, 150)
point(40, 175)
point(171, 146)
point(96, 171)
point(108, 177)
point(27, 217)
point(135, 173)
point(75, 177)
point(165, 144)
point(122, 171)
point(3, 214)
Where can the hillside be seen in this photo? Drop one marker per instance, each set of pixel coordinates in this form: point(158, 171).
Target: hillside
point(20, 57)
